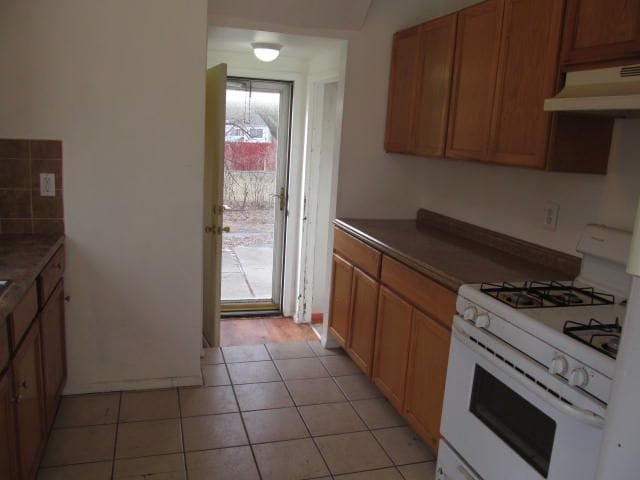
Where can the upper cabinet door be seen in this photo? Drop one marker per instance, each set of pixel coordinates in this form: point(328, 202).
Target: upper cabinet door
point(527, 74)
point(402, 82)
point(433, 91)
point(601, 30)
point(474, 83)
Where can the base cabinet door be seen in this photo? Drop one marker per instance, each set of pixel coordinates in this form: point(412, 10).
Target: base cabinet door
point(53, 350)
point(27, 376)
point(340, 299)
point(393, 330)
point(362, 332)
point(7, 430)
point(426, 375)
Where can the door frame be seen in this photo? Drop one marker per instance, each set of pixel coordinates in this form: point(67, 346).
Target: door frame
point(296, 152)
point(286, 90)
point(307, 261)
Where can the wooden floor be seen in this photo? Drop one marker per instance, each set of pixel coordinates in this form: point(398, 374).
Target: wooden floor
point(251, 331)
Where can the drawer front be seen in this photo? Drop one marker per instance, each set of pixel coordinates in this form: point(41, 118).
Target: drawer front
point(4, 344)
point(51, 274)
point(358, 253)
point(429, 296)
point(23, 315)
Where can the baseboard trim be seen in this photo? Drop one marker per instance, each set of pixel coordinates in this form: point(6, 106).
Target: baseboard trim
point(127, 385)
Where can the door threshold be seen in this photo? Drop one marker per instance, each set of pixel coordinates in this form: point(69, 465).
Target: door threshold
point(250, 310)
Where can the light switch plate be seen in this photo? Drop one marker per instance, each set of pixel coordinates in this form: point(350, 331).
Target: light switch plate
point(47, 185)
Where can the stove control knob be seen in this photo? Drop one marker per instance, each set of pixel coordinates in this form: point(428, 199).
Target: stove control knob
point(482, 320)
point(470, 313)
point(578, 377)
point(558, 366)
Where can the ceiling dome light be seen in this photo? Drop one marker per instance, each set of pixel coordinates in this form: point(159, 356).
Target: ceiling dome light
point(267, 52)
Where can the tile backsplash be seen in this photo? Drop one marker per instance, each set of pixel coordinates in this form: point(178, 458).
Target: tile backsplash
point(22, 208)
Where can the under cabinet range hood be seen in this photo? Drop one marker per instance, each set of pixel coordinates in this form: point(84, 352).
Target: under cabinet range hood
point(611, 91)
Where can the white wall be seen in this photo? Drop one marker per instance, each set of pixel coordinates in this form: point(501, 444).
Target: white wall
point(121, 83)
point(373, 184)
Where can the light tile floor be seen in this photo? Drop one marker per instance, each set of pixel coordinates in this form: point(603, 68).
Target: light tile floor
point(266, 412)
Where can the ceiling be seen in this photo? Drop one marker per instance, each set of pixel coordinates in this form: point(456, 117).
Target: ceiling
point(317, 14)
point(294, 46)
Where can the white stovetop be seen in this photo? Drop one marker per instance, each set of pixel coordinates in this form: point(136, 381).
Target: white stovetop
point(547, 323)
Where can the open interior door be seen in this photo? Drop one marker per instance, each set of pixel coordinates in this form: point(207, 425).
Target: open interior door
point(213, 189)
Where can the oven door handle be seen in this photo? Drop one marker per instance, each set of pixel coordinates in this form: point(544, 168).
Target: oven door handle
point(582, 415)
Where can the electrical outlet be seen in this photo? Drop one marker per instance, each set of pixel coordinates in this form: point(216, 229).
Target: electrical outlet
point(550, 221)
point(47, 185)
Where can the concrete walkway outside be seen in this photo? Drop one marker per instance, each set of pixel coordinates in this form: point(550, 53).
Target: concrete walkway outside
point(247, 273)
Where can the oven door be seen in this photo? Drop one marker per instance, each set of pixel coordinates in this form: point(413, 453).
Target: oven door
point(506, 422)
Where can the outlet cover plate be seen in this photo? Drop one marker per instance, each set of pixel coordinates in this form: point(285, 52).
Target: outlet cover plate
point(47, 185)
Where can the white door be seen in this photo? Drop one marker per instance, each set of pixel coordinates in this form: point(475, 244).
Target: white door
point(215, 111)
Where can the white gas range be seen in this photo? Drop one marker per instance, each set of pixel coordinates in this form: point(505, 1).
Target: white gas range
point(530, 370)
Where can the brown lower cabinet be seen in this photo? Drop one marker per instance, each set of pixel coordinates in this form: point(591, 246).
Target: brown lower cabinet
point(364, 296)
point(34, 374)
point(53, 351)
point(393, 334)
point(30, 420)
point(341, 299)
point(8, 440)
point(395, 324)
point(426, 375)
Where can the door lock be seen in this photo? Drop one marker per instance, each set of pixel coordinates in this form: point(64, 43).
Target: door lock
point(282, 196)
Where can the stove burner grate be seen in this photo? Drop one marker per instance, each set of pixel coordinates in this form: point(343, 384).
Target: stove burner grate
point(537, 294)
point(604, 337)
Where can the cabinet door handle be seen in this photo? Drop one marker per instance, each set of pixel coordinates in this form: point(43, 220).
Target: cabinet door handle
point(17, 399)
point(24, 385)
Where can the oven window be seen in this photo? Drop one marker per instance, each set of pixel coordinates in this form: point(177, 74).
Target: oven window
point(526, 429)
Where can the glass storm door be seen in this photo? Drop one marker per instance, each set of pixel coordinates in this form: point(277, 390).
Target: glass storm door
point(256, 160)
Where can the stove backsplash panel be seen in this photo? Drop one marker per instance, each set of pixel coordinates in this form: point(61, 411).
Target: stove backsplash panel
point(22, 208)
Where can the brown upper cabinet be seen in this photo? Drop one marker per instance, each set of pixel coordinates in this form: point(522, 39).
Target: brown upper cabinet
point(506, 63)
point(402, 84)
point(419, 89)
point(527, 75)
point(433, 89)
point(601, 31)
point(474, 80)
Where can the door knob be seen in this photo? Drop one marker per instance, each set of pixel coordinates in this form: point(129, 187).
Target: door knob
point(226, 229)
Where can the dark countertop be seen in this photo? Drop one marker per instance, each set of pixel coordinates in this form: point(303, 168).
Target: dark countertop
point(22, 258)
point(448, 258)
